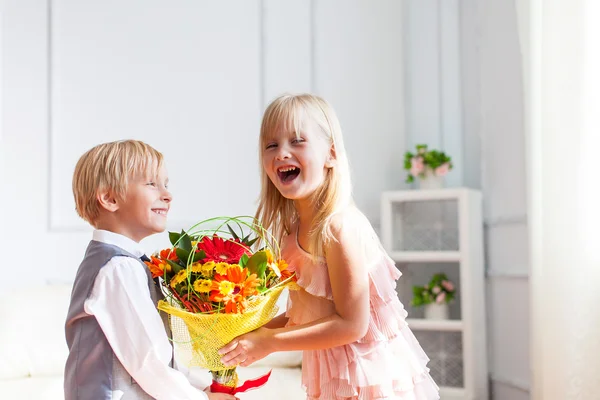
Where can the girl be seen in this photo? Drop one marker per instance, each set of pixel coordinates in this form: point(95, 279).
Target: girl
point(346, 316)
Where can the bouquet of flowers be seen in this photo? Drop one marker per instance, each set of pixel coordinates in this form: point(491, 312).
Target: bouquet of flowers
point(440, 290)
point(217, 288)
point(426, 163)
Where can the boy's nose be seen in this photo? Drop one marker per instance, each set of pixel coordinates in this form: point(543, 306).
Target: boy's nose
point(166, 196)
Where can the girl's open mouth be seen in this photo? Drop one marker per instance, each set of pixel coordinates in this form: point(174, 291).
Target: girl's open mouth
point(288, 174)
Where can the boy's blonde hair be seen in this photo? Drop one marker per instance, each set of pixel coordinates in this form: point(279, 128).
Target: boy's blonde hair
point(108, 167)
point(288, 113)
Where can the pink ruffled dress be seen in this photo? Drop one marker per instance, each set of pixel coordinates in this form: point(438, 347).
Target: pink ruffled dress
point(387, 363)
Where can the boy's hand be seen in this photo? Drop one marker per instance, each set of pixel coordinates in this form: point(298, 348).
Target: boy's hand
point(219, 396)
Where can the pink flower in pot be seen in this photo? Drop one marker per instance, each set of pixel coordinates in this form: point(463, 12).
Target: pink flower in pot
point(448, 286)
point(417, 166)
point(440, 298)
point(442, 169)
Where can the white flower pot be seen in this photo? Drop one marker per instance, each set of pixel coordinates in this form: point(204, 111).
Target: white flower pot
point(437, 311)
point(431, 181)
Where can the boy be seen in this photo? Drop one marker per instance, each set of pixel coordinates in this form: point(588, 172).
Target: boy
point(118, 342)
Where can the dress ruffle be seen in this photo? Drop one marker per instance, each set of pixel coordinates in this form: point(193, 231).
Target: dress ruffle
point(387, 363)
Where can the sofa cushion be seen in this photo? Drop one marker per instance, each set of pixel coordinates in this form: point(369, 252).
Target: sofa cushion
point(47, 388)
point(283, 380)
point(32, 338)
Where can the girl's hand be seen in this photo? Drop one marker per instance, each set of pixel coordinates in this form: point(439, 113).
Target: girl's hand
point(247, 349)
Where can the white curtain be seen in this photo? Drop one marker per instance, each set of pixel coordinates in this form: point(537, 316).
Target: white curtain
point(561, 48)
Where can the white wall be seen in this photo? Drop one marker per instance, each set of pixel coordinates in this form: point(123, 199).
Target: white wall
point(433, 80)
point(190, 77)
point(504, 185)
point(490, 145)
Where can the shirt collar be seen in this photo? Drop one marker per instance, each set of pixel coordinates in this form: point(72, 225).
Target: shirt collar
point(118, 240)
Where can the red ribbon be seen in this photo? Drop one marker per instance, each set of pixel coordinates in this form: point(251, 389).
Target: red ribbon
point(249, 384)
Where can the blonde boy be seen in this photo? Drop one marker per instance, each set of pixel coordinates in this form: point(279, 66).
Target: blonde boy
point(118, 342)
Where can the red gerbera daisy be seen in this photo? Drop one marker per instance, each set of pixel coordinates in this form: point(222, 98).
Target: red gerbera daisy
point(219, 250)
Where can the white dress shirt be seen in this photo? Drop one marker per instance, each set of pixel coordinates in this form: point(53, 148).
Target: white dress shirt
point(120, 301)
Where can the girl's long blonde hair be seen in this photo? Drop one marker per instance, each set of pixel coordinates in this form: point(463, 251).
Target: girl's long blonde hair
point(289, 113)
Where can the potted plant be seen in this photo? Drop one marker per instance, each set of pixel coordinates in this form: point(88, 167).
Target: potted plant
point(435, 296)
point(428, 166)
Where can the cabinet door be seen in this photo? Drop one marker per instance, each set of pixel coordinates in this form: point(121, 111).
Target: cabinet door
point(424, 225)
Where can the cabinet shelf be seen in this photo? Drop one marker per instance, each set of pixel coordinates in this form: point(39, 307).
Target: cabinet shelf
point(451, 393)
point(432, 231)
point(425, 256)
point(418, 324)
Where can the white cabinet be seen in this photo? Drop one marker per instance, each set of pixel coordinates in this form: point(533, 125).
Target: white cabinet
point(441, 230)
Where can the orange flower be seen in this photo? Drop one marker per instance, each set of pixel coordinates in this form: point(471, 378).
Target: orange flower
point(284, 268)
point(243, 287)
point(236, 274)
point(248, 288)
point(231, 307)
point(169, 254)
point(223, 288)
point(242, 303)
point(157, 267)
point(246, 284)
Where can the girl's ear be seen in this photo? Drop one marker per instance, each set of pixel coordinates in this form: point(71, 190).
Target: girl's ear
point(107, 201)
point(331, 159)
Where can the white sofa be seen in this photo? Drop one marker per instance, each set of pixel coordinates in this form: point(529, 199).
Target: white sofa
point(33, 350)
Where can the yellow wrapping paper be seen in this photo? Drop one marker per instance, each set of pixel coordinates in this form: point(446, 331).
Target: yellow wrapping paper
point(204, 334)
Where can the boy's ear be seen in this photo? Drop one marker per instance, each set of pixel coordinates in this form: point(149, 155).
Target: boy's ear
point(107, 201)
point(331, 159)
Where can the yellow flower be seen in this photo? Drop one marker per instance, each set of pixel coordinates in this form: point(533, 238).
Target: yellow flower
point(270, 258)
point(221, 268)
point(178, 278)
point(208, 268)
point(226, 288)
point(196, 267)
point(202, 285)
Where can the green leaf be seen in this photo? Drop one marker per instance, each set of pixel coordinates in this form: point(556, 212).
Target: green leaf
point(254, 262)
point(185, 242)
point(199, 256)
point(235, 236)
point(262, 289)
point(262, 268)
point(182, 254)
point(176, 267)
point(174, 237)
point(243, 261)
point(250, 243)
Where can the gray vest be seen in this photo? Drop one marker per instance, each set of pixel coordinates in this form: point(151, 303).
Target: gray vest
point(92, 371)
